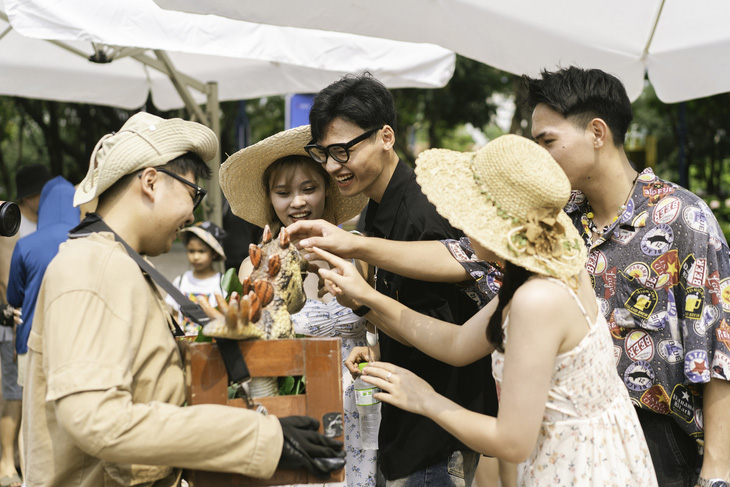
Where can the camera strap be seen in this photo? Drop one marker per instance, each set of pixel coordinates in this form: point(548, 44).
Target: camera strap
point(236, 367)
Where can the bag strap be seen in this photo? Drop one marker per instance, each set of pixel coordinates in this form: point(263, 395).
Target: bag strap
point(232, 358)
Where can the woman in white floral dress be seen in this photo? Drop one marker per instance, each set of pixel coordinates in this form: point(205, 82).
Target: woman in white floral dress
point(278, 185)
point(564, 413)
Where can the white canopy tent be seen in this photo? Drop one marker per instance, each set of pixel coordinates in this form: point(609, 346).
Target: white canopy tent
point(683, 46)
point(186, 60)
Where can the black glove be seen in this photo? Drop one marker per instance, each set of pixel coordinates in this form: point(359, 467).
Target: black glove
point(305, 447)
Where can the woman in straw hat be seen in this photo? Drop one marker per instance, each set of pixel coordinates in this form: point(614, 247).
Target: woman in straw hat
point(276, 183)
point(564, 413)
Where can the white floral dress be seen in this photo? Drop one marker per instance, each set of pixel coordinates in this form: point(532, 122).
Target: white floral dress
point(334, 320)
point(590, 434)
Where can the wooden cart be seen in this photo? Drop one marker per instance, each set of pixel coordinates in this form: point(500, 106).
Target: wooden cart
point(318, 359)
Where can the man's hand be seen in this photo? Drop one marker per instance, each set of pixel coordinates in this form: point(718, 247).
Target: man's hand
point(305, 447)
point(322, 234)
point(360, 354)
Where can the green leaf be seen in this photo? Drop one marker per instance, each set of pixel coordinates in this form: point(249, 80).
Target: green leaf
point(231, 283)
point(286, 385)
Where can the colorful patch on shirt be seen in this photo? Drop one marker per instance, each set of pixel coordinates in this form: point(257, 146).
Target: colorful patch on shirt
point(641, 303)
point(639, 346)
point(656, 191)
point(694, 302)
point(725, 294)
point(667, 210)
point(656, 399)
point(682, 404)
point(609, 280)
point(639, 376)
point(623, 235)
point(639, 271)
point(696, 367)
point(640, 219)
point(667, 265)
point(656, 321)
point(646, 176)
point(617, 351)
point(596, 264)
point(699, 419)
point(710, 315)
point(457, 252)
point(695, 218)
point(721, 366)
point(723, 333)
point(713, 284)
point(671, 351)
point(657, 240)
point(604, 307)
point(618, 332)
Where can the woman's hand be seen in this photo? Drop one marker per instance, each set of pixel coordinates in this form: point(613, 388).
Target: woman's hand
point(400, 387)
point(360, 354)
point(343, 280)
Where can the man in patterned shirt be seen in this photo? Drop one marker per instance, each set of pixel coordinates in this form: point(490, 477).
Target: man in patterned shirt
point(660, 269)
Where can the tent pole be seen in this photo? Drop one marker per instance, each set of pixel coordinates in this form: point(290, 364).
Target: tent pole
point(215, 202)
point(181, 88)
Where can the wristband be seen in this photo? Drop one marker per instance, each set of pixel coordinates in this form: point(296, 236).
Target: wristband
point(361, 311)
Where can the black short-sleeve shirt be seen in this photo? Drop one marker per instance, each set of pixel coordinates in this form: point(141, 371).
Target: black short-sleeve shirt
point(410, 442)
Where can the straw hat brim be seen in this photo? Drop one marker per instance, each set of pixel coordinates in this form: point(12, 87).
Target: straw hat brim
point(446, 178)
point(207, 238)
point(242, 179)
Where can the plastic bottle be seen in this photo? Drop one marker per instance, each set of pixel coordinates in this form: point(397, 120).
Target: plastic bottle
point(369, 410)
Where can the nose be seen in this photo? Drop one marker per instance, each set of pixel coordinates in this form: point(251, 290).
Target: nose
point(331, 165)
point(298, 201)
point(191, 218)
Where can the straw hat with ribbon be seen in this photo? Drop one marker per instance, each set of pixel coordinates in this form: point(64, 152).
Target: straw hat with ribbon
point(242, 179)
point(145, 140)
point(509, 197)
point(210, 233)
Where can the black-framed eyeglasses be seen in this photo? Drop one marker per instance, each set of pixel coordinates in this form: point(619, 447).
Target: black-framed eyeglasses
point(338, 152)
point(199, 192)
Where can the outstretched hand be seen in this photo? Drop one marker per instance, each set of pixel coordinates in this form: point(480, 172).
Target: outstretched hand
point(325, 235)
point(400, 387)
point(343, 280)
point(304, 447)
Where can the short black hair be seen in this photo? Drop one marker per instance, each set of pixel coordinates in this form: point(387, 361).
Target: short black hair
point(190, 161)
point(583, 94)
point(359, 99)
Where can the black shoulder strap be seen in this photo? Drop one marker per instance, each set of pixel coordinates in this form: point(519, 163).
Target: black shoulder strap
point(232, 358)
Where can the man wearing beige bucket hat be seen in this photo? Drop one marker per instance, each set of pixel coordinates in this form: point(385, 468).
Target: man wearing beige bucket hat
point(105, 385)
point(353, 134)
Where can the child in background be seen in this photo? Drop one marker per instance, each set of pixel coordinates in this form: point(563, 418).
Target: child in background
point(203, 244)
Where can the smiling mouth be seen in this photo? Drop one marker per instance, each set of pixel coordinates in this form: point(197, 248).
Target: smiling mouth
point(344, 179)
point(300, 216)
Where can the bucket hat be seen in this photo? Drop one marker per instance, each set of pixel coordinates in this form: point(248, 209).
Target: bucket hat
point(145, 140)
point(242, 179)
point(29, 180)
point(210, 233)
point(509, 197)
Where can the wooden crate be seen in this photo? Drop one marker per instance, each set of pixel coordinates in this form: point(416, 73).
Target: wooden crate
point(318, 359)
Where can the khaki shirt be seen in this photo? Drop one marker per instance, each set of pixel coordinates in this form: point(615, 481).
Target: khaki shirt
point(105, 385)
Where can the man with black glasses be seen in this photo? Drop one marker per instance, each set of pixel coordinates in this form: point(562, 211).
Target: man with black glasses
point(353, 129)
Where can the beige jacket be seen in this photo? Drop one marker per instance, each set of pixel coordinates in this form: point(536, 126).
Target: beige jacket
point(105, 385)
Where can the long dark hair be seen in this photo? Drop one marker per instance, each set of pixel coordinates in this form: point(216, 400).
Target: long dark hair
point(514, 276)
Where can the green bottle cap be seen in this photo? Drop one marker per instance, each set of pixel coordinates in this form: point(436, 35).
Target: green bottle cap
point(362, 365)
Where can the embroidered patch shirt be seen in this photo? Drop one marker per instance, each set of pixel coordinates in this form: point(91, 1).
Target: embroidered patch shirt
point(661, 274)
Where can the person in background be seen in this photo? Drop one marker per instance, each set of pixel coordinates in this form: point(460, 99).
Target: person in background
point(203, 248)
point(659, 265)
point(104, 393)
point(31, 256)
point(564, 413)
point(29, 181)
point(274, 182)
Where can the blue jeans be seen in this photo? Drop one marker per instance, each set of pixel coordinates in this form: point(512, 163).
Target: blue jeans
point(457, 471)
point(674, 453)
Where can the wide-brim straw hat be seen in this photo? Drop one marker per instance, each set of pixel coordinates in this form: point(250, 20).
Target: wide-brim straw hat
point(145, 140)
point(242, 179)
point(509, 197)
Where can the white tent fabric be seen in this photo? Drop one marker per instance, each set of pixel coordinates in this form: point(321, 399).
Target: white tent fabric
point(245, 59)
point(683, 45)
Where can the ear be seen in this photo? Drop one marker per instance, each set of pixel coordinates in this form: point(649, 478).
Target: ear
point(600, 132)
point(148, 183)
point(388, 137)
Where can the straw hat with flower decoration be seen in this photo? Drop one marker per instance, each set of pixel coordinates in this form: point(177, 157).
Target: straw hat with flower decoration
point(242, 179)
point(509, 197)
